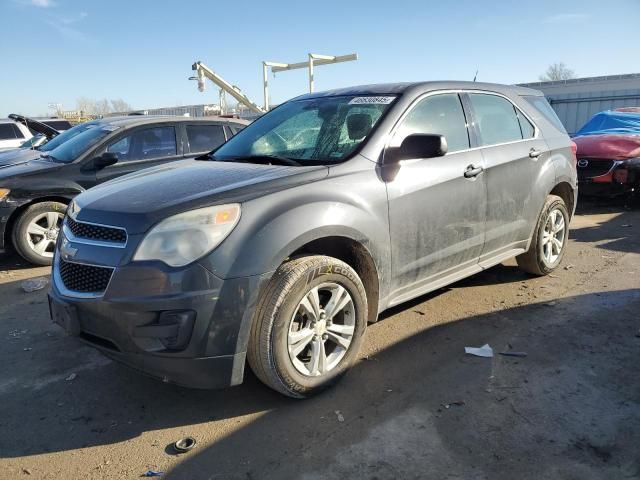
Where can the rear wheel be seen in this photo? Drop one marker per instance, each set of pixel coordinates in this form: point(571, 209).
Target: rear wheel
point(308, 327)
point(36, 231)
point(549, 239)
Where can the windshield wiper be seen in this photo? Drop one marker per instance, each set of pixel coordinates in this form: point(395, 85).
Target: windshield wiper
point(48, 157)
point(268, 159)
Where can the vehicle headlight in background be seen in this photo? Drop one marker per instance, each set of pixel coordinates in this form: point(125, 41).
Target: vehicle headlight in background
point(4, 193)
point(188, 236)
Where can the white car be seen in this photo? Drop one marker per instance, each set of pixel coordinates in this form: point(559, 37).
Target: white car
point(12, 133)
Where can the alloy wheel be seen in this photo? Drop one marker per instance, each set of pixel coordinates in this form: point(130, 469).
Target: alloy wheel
point(321, 329)
point(553, 236)
point(42, 233)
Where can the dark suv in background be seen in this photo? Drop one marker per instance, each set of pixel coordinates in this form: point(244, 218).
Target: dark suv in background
point(280, 246)
point(37, 185)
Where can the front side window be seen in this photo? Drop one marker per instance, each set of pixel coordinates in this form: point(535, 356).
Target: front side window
point(145, 144)
point(496, 118)
point(78, 145)
point(204, 138)
point(320, 130)
point(440, 114)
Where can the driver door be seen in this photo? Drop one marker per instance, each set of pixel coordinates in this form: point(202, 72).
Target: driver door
point(436, 213)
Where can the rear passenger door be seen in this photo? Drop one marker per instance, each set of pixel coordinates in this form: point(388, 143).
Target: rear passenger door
point(513, 151)
point(436, 214)
point(203, 138)
point(143, 147)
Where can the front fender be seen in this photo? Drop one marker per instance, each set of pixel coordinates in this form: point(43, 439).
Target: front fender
point(271, 237)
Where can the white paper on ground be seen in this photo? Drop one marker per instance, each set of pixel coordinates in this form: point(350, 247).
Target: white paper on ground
point(483, 351)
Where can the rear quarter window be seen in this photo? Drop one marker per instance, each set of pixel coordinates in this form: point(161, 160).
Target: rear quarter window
point(541, 104)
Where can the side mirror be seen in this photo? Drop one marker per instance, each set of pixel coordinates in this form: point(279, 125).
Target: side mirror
point(104, 160)
point(422, 146)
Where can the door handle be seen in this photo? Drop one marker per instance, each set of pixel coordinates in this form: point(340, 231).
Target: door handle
point(533, 153)
point(472, 171)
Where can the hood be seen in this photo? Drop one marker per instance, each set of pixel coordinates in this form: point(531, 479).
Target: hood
point(17, 155)
point(35, 126)
point(613, 147)
point(140, 200)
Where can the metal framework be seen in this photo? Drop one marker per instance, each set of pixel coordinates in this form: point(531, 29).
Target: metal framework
point(313, 60)
point(202, 72)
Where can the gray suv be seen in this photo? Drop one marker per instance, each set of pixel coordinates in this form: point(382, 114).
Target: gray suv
point(280, 246)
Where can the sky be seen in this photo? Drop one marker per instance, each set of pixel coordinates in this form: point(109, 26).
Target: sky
point(55, 51)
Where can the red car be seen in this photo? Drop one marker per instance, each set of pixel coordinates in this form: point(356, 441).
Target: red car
point(608, 153)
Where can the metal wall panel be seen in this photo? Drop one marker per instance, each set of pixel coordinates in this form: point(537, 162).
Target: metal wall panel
point(577, 100)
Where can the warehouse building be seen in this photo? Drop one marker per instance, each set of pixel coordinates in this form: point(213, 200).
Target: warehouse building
point(577, 100)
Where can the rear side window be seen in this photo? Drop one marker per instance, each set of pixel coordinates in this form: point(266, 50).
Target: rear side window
point(7, 132)
point(440, 114)
point(541, 104)
point(146, 144)
point(526, 127)
point(496, 119)
point(204, 138)
point(17, 131)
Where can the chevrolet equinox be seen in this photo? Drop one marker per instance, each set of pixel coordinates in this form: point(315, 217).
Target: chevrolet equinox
point(279, 247)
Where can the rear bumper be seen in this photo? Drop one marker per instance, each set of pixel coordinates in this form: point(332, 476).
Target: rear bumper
point(183, 326)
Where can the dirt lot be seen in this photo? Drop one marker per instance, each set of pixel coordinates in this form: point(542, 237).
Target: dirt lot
point(415, 406)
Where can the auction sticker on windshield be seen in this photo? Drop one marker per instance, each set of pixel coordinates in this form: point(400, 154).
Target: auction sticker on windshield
point(371, 100)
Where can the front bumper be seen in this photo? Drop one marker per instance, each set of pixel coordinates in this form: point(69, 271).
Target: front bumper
point(623, 177)
point(129, 322)
point(5, 213)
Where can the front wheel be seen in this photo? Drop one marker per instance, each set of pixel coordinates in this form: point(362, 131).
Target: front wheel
point(36, 231)
point(308, 327)
point(549, 240)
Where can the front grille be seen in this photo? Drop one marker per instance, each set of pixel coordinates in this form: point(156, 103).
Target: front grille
point(594, 168)
point(84, 278)
point(96, 232)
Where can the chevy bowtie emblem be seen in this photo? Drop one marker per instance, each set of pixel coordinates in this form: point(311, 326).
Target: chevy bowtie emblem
point(66, 250)
point(583, 163)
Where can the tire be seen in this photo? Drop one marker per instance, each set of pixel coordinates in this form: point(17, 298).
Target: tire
point(36, 231)
point(537, 260)
point(284, 316)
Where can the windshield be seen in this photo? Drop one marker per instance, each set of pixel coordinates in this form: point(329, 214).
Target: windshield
point(66, 135)
point(315, 131)
point(75, 146)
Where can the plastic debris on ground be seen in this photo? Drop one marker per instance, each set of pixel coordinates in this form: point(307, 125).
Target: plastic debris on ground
point(339, 415)
point(152, 473)
point(513, 354)
point(483, 351)
point(34, 284)
point(453, 404)
point(71, 377)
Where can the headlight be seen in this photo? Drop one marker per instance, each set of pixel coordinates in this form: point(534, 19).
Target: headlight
point(186, 237)
point(4, 193)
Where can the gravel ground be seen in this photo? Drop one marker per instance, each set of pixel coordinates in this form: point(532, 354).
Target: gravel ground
point(415, 406)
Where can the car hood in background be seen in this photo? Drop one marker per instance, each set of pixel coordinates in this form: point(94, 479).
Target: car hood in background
point(18, 155)
point(608, 146)
point(140, 200)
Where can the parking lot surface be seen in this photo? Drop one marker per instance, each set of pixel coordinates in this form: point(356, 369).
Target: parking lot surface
point(414, 406)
